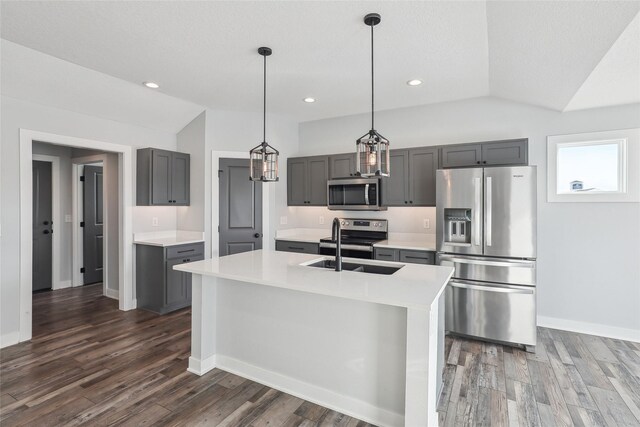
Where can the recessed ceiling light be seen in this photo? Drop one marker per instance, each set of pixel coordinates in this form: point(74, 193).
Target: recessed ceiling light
point(151, 85)
point(414, 82)
point(309, 100)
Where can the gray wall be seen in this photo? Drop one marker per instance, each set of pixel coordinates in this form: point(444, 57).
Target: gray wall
point(16, 114)
point(588, 252)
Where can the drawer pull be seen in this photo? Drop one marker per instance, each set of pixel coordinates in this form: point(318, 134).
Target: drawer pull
point(415, 257)
point(296, 248)
point(185, 251)
point(387, 255)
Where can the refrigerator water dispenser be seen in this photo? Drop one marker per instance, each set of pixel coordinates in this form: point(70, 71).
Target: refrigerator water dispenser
point(457, 225)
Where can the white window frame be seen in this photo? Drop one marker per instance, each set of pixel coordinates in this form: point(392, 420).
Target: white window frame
point(628, 141)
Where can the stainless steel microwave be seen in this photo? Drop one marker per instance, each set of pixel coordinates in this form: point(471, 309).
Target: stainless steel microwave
point(355, 194)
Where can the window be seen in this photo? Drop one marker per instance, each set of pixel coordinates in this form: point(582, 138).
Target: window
point(595, 167)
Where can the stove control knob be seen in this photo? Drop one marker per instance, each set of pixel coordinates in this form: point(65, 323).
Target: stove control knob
point(346, 223)
point(342, 223)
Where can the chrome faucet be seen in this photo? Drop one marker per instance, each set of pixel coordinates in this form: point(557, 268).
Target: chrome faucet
point(336, 236)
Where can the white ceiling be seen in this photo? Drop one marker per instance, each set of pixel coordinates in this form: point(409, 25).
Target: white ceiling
point(205, 52)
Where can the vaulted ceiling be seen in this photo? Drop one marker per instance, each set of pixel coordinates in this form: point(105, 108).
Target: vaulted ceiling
point(555, 54)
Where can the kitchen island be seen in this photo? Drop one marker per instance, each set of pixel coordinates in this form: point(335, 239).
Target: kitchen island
point(363, 344)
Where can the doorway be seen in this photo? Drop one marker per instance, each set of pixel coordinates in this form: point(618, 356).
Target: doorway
point(240, 208)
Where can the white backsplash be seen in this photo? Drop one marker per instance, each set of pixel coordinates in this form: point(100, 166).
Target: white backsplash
point(401, 220)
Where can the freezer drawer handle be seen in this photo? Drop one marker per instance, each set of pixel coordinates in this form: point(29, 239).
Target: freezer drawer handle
point(490, 288)
point(488, 263)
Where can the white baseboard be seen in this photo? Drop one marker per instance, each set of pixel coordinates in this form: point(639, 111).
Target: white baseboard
point(9, 339)
point(590, 328)
point(201, 367)
point(315, 394)
point(112, 293)
point(62, 284)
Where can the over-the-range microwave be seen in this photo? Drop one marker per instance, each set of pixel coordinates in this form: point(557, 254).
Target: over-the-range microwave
point(355, 194)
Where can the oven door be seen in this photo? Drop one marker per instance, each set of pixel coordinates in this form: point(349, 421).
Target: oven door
point(348, 251)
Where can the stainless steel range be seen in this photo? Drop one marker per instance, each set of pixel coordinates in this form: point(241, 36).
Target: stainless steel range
point(358, 237)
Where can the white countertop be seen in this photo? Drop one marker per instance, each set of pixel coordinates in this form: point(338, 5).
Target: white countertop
point(413, 286)
point(168, 238)
point(411, 241)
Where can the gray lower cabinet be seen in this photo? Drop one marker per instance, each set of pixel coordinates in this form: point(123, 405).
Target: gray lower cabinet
point(342, 165)
point(413, 177)
point(301, 247)
point(160, 288)
point(511, 152)
point(162, 178)
point(307, 181)
point(405, 255)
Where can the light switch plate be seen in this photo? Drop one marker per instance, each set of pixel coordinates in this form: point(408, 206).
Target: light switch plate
point(321, 220)
point(67, 218)
point(154, 221)
point(283, 220)
point(426, 223)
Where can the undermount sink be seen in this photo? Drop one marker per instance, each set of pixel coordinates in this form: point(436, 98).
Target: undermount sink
point(357, 267)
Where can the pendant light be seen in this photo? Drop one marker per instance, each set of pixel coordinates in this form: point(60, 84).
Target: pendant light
point(372, 149)
point(263, 165)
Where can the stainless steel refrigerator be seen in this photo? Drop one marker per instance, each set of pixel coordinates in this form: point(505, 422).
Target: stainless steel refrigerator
point(486, 230)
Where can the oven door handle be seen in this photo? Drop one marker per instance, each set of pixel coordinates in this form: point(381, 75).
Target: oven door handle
point(349, 247)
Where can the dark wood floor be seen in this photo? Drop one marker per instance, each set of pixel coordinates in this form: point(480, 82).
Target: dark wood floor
point(572, 379)
point(89, 363)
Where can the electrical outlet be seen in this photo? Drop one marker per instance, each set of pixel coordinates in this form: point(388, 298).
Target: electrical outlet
point(154, 221)
point(67, 218)
point(283, 220)
point(426, 223)
point(321, 220)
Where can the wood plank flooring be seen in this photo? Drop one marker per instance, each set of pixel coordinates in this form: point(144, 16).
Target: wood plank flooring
point(571, 380)
point(89, 363)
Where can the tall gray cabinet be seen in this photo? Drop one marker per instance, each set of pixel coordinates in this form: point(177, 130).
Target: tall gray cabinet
point(160, 288)
point(162, 178)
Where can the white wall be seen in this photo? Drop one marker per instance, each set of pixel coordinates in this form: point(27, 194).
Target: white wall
point(588, 254)
point(191, 140)
point(17, 114)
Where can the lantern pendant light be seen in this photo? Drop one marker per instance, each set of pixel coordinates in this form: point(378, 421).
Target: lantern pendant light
point(263, 164)
point(372, 149)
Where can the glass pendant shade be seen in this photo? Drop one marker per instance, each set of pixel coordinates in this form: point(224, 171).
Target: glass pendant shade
point(372, 155)
point(264, 163)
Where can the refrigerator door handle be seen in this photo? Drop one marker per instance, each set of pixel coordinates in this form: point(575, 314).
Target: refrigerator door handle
point(506, 290)
point(488, 212)
point(476, 214)
point(522, 264)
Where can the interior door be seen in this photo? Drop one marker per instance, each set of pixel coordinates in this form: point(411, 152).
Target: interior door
point(42, 226)
point(510, 212)
point(240, 208)
point(93, 221)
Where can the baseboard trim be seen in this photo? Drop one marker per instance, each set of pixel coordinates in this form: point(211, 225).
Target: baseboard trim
point(201, 367)
point(9, 339)
point(63, 284)
point(318, 395)
point(590, 328)
point(112, 293)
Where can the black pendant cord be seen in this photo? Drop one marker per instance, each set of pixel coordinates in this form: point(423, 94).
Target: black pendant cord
point(372, 88)
point(264, 102)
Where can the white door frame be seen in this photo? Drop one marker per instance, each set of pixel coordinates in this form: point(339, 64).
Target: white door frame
point(56, 248)
point(125, 183)
point(215, 201)
point(77, 259)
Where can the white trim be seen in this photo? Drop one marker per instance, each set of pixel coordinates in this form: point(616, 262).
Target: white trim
point(628, 141)
point(64, 284)
point(201, 367)
point(111, 293)
point(310, 392)
point(125, 181)
point(9, 339)
point(56, 248)
point(267, 238)
point(590, 328)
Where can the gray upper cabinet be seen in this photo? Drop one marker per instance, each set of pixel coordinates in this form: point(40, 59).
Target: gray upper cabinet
point(413, 177)
point(162, 178)
point(395, 188)
point(342, 165)
point(512, 152)
point(463, 155)
point(307, 181)
point(508, 153)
